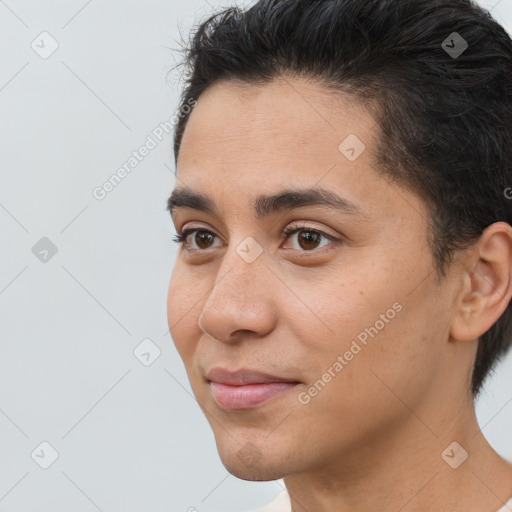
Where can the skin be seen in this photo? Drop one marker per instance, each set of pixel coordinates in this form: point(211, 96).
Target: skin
point(372, 438)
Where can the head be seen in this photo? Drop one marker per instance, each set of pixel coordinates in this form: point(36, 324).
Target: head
point(405, 286)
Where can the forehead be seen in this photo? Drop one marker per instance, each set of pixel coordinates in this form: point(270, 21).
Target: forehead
point(243, 140)
point(282, 126)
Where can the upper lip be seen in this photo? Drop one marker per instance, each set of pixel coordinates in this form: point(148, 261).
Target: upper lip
point(242, 377)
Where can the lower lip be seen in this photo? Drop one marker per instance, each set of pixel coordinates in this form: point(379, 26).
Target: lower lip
point(235, 398)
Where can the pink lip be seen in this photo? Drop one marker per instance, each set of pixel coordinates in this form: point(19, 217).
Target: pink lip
point(248, 396)
point(245, 389)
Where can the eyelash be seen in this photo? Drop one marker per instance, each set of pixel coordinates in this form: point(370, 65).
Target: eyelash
point(181, 238)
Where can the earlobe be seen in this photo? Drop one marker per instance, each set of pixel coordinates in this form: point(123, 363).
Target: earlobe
point(487, 283)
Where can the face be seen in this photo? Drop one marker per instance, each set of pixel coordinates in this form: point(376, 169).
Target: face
point(332, 302)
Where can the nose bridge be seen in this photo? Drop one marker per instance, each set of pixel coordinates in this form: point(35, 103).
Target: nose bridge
point(242, 267)
point(239, 299)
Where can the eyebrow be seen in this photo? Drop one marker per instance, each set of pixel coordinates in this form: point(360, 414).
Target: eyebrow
point(266, 205)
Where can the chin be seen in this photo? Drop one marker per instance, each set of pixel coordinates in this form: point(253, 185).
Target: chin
point(260, 472)
point(250, 461)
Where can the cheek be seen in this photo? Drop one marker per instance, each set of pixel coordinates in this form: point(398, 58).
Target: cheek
point(341, 310)
point(373, 327)
point(398, 357)
point(183, 312)
point(368, 388)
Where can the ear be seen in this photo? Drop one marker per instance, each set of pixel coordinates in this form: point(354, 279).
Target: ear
point(487, 286)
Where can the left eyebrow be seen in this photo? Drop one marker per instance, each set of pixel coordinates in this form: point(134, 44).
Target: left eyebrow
point(266, 205)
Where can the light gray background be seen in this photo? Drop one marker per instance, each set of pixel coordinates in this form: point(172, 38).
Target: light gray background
point(129, 437)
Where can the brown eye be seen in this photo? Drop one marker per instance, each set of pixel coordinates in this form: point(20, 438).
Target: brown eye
point(309, 239)
point(203, 239)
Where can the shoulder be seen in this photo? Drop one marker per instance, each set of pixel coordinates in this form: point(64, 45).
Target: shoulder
point(281, 503)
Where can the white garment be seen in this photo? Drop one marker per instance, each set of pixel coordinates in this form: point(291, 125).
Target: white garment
point(281, 503)
point(507, 507)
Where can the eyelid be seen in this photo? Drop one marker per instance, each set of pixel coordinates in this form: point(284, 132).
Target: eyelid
point(302, 224)
point(288, 231)
point(291, 225)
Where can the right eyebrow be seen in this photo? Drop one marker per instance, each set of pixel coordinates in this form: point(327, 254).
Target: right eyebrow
point(265, 205)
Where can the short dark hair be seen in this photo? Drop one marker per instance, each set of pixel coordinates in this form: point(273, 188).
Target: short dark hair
point(445, 120)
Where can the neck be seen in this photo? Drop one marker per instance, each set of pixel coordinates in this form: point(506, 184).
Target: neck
point(404, 470)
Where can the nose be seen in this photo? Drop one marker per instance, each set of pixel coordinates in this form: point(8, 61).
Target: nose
point(241, 301)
